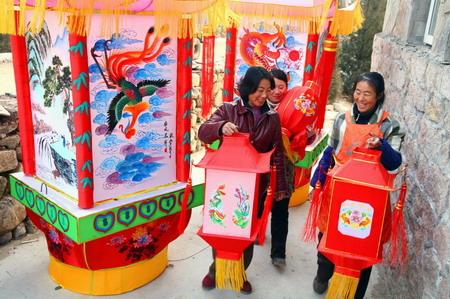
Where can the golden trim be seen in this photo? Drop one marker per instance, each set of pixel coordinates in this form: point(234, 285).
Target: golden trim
point(364, 161)
point(345, 180)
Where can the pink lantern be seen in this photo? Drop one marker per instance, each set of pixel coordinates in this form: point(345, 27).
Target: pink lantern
point(230, 221)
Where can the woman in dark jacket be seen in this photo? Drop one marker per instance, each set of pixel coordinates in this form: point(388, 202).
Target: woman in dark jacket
point(250, 114)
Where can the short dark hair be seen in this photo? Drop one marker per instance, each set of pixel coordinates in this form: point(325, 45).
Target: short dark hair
point(280, 75)
point(376, 81)
point(249, 83)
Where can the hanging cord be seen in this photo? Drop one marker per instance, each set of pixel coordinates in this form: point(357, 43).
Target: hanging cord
point(188, 257)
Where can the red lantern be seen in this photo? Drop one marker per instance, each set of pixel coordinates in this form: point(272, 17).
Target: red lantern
point(230, 221)
point(359, 218)
point(298, 110)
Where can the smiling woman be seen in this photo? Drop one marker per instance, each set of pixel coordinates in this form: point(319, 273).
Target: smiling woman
point(250, 114)
point(365, 125)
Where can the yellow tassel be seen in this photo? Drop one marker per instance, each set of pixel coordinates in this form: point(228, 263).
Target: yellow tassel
point(299, 18)
point(347, 20)
point(292, 156)
point(230, 274)
point(8, 20)
point(342, 286)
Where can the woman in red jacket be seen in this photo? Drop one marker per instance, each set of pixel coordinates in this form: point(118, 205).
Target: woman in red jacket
point(250, 114)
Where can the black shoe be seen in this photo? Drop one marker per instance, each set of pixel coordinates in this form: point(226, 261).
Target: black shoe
point(319, 287)
point(278, 262)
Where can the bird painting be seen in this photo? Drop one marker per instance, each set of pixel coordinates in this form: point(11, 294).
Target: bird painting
point(115, 69)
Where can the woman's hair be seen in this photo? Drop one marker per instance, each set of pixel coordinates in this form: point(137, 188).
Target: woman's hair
point(249, 83)
point(376, 81)
point(280, 75)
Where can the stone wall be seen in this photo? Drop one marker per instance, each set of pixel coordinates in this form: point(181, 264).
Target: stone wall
point(14, 222)
point(418, 93)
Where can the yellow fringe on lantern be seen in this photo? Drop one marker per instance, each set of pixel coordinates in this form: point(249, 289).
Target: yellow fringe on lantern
point(7, 23)
point(185, 27)
point(230, 274)
point(308, 19)
point(342, 286)
point(347, 20)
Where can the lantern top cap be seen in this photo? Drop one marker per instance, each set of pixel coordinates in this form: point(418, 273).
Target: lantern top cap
point(236, 153)
point(365, 168)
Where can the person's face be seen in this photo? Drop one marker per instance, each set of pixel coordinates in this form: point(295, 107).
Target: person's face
point(365, 96)
point(259, 97)
point(279, 91)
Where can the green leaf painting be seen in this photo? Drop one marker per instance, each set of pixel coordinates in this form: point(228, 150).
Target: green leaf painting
point(83, 107)
point(79, 47)
point(81, 79)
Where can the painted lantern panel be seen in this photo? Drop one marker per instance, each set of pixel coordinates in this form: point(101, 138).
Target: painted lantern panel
point(132, 81)
point(355, 219)
point(133, 105)
point(271, 49)
point(52, 105)
point(229, 203)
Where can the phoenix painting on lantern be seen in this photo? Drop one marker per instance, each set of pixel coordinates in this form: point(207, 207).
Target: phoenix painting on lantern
point(132, 82)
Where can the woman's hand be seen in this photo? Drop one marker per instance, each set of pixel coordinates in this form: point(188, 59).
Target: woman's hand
point(373, 142)
point(279, 196)
point(229, 129)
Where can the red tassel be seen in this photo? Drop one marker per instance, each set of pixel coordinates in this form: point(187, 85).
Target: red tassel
point(187, 192)
point(265, 216)
point(207, 83)
point(309, 230)
point(267, 206)
point(398, 234)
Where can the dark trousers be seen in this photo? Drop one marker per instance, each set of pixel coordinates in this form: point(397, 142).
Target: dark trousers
point(326, 268)
point(279, 227)
point(248, 256)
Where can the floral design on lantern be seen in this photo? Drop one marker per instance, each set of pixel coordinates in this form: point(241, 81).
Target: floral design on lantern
point(142, 243)
point(355, 219)
point(305, 104)
point(241, 216)
point(59, 244)
point(216, 206)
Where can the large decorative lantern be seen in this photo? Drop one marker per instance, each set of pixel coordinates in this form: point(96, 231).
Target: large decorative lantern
point(230, 221)
point(356, 199)
point(104, 97)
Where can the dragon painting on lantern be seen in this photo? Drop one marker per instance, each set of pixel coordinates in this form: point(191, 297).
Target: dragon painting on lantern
point(277, 48)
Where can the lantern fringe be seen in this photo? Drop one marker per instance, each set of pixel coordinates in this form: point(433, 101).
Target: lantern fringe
point(322, 77)
point(230, 274)
point(309, 230)
point(347, 20)
point(398, 234)
point(342, 286)
point(207, 72)
point(298, 18)
point(214, 12)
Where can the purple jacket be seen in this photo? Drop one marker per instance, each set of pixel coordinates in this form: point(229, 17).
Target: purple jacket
point(264, 135)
